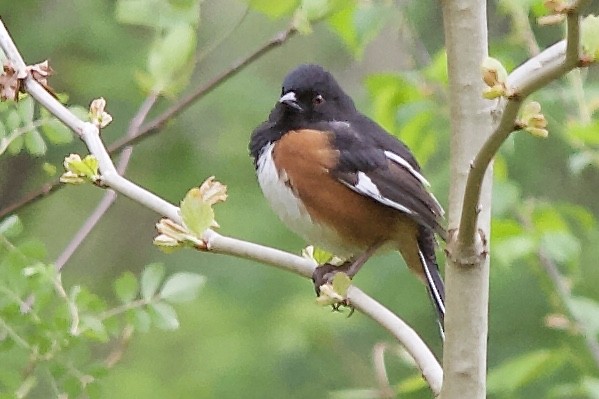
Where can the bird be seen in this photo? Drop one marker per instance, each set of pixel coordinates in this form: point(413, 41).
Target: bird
point(343, 183)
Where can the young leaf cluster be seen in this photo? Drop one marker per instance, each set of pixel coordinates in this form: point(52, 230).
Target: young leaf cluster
point(48, 330)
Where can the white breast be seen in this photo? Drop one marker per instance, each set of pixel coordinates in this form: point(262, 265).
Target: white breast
point(290, 209)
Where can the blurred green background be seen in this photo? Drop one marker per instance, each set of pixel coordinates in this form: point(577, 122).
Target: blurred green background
point(254, 331)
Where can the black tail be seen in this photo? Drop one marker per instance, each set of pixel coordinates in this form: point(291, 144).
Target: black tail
point(434, 281)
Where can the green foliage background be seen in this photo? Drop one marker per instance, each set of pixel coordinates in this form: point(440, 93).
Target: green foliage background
point(253, 331)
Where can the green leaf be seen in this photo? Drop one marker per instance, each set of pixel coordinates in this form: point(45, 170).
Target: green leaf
point(182, 287)
point(342, 24)
point(126, 287)
point(579, 161)
point(165, 316)
point(56, 132)
point(137, 12)
point(318, 9)
point(25, 110)
point(521, 370)
point(591, 387)
point(274, 8)
point(49, 169)
point(33, 249)
point(158, 14)
point(80, 112)
point(321, 256)
point(586, 310)
point(197, 214)
point(13, 120)
point(34, 143)
point(546, 218)
point(589, 35)
point(141, 320)
point(16, 145)
point(506, 195)
point(561, 246)
point(510, 249)
point(11, 226)
point(151, 278)
point(170, 54)
point(95, 327)
point(341, 283)
point(585, 133)
point(411, 384)
point(2, 130)
point(389, 93)
point(358, 23)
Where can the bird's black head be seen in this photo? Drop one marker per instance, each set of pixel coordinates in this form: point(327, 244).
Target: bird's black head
point(310, 94)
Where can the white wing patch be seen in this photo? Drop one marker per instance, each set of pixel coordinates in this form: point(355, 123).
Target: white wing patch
point(399, 160)
point(396, 158)
point(366, 187)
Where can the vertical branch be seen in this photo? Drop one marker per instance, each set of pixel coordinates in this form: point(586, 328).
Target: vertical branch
point(467, 271)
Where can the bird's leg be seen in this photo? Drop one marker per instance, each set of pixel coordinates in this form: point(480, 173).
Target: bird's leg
point(324, 274)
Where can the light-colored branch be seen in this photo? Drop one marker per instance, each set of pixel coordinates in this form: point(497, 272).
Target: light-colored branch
point(534, 74)
point(380, 371)
point(467, 267)
point(16, 133)
point(110, 195)
point(215, 242)
point(467, 271)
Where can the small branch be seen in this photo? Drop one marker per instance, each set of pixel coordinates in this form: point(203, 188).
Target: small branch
point(380, 371)
point(116, 354)
point(71, 305)
point(564, 295)
point(13, 334)
point(5, 142)
point(110, 196)
point(93, 219)
point(537, 72)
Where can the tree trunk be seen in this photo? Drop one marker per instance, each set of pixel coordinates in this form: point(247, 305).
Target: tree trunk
point(467, 269)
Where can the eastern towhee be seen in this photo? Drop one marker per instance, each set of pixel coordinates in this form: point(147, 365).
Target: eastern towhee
point(343, 183)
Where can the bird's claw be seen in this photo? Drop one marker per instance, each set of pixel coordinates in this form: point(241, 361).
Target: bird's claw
point(324, 275)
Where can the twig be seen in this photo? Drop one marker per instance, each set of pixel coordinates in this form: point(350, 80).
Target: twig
point(5, 142)
point(157, 123)
point(564, 295)
point(537, 72)
point(71, 305)
point(110, 196)
point(13, 334)
point(380, 371)
point(429, 366)
point(116, 354)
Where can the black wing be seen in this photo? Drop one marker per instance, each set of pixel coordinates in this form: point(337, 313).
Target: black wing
point(376, 164)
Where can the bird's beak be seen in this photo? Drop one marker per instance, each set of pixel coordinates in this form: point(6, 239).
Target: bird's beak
point(290, 100)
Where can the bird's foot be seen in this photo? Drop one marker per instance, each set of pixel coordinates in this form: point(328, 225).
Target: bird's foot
point(331, 290)
point(324, 274)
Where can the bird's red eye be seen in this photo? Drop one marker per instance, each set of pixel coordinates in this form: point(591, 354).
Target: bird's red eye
point(318, 100)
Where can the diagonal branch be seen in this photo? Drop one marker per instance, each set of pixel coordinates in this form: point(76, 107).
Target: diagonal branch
point(110, 196)
point(534, 74)
point(429, 366)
